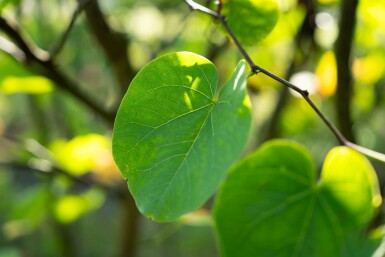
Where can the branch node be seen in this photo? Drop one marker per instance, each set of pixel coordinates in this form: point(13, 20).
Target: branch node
point(255, 69)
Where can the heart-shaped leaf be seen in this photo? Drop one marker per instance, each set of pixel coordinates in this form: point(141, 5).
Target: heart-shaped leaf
point(251, 20)
point(272, 205)
point(372, 245)
point(175, 138)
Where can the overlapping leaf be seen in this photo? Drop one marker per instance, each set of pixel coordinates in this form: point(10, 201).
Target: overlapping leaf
point(272, 205)
point(175, 138)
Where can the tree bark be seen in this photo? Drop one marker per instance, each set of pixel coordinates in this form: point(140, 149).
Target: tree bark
point(303, 49)
point(130, 225)
point(343, 49)
point(113, 44)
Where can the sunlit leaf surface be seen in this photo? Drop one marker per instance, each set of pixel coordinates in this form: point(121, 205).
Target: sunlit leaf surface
point(175, 137)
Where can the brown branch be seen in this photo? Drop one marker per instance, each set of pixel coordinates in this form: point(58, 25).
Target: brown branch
point(69, 85)
point(113, 44)
point(31, 52)
point(60, 44)
point(343, 50)
point(39, 62)
point(115, 191)
point(305, 32)
point(130, 226)
point(257, 69)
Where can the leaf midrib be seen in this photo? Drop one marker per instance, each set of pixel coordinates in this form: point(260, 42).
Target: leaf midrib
point(161, 125)
point(209, 113)
point(274, 211)
point(164, 86)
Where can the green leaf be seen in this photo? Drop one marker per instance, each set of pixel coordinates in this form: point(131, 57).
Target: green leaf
point(251, 20)
point(30, 207)
point(272, 205)
point(10, 67)
point(372, 245)
point(175, 138)
point(9, 252)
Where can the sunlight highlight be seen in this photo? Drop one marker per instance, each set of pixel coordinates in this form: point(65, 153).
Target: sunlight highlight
point(28, 85)
point(187, 101)
point(195, 83)
point(304, 80)
point(327, 74)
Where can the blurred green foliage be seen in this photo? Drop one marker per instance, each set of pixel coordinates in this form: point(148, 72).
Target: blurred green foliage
point(47, 206)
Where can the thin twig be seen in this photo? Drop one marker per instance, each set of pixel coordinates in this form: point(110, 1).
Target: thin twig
point(368, 152)
point(11, 49)
point(50, 165)
point(31, 52)
point(219, 6)
point(304, 93)
point(303, 51)
point(113, 43)
point(60, 44)
point(115, 191)
point(40, 62)
point(198, 7)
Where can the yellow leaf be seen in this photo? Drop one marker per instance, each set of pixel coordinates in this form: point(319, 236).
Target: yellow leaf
point(69, 208)
point(87, 153)
point(369, 69)
point(327, 74)
point(29, 85)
